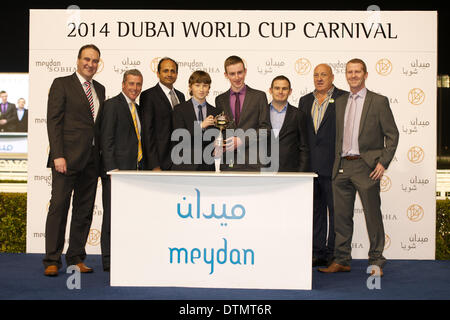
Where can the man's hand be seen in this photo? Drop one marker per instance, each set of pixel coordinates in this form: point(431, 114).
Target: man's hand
point(232, 143)
point(209, 121)
point(60, 165)
point(156, 169)
point(378, 172)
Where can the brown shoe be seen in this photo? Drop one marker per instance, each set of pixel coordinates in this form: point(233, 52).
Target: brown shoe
point(335, 267)
point(51, 271)
point(374, 271)
point(84, 269)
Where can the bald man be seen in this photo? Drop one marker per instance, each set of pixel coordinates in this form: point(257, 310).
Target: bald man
point(320, 111)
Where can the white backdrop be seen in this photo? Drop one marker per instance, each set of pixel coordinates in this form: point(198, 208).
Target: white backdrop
point(401, 57)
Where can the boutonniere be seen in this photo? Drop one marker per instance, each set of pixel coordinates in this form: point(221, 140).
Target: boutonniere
point(331, 100)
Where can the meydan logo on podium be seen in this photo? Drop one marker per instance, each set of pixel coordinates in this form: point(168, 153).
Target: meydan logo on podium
point(211, 256)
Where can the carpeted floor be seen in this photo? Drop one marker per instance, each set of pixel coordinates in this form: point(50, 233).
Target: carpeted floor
point(21, 278)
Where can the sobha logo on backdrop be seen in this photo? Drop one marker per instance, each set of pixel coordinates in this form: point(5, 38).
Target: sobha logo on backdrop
point(224, 213)
point(416, 154)
point(415, 213)
point(302, 66)
point(416, 96)
point(385, 183)
point(383, 67)
point(94, 237)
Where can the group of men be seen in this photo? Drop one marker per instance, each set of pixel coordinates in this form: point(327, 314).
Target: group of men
point(348, 139)
point(13, 118)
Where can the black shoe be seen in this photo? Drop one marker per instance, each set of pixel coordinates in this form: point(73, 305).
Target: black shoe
point(316, 262)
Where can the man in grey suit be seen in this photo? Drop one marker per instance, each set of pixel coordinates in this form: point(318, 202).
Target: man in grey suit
point(247, 108)
point(366, 140)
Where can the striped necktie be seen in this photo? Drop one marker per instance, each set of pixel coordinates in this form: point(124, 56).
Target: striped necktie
point(88, 91)
point(133, 114)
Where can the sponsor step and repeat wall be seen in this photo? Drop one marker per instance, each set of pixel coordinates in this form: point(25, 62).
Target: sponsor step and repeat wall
point(401, 58)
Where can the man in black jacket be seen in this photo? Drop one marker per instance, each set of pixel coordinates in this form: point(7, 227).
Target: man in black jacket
point(288, 126)
point(319, 108)
point(121, 145)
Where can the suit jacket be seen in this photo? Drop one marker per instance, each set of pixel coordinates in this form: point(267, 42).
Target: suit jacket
point(322, 143)
point(378, 133)
point(20, 125)
point(254, 115)
point(70, 126)
point(184, 117)
point(292, 142)
point(156, 115)
point(9, 115)
point(119, 142)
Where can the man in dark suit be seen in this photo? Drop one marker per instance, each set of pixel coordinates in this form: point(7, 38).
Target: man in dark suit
point(319, 108)
point(7, 113)
point(157, 105)
point(74, 112)
point(247, 108)
point(20, 121)
point(196, 116)
point(366, 141)
point(121, 145)
point(288, 129)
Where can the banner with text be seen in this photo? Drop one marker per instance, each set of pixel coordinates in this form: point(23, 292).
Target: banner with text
point(401, 58)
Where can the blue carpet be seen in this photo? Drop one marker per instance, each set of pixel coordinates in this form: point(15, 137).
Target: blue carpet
point(21, 278)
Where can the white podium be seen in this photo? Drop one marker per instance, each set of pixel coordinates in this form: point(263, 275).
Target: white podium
point(202, 229)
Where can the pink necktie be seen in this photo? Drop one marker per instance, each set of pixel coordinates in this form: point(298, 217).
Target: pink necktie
point(349, 125)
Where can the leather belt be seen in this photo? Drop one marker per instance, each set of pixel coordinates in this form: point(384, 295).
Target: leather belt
point(352, 157)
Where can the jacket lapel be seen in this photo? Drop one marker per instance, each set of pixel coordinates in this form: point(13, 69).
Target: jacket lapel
point(163, 98)
point(365, 110)
point(341, 104)
point(126, 111)
point(288, 117)
point(329, 110)
point(245, 106)
point(191, 117)
point(83, 96)
point(227, 108)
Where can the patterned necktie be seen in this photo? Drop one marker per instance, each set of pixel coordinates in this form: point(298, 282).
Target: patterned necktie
point(237, 108)
point(200, 113)
point(133, 114)
point(88, 91)
point(349, 125)
point(173, 98)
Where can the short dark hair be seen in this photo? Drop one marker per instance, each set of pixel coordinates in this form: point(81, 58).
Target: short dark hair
point(231, 60)
point(280, 78)
point(164, 59)
point(199, 76)
point(88, 46)
point(132, 72)
point(3, 91)
point(357, 60)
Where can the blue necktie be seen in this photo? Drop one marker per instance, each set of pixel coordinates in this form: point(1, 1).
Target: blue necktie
point(200, 113)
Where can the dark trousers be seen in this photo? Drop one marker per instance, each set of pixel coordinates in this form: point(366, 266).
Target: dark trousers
point(83, 184)
point(323, 218)
point(355, 178)
point(105, 240)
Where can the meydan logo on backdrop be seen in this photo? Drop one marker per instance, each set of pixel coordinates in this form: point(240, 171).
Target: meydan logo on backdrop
point(211, 256)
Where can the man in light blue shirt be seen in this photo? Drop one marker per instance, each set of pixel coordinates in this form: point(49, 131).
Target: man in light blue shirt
point(288, 127)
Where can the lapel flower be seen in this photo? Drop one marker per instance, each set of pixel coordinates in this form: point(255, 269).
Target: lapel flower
point(331, 100)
